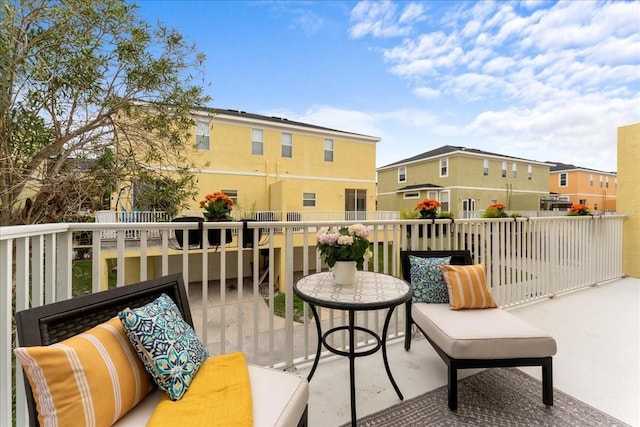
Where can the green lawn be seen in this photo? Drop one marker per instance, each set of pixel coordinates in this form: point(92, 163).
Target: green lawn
point(298, 307)
point(81, 276)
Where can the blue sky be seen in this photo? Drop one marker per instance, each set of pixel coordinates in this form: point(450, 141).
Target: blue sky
point(541, 80)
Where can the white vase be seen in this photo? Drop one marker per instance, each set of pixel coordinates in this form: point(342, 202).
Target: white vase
point(344, 272)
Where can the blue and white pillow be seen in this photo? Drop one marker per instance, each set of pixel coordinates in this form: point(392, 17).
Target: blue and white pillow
point(427, 280)
point(167, 345)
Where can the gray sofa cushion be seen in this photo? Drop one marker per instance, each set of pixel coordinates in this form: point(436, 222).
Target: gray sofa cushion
point(490, 333)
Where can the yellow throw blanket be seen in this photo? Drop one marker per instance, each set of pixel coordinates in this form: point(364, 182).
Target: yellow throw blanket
point(220, 395)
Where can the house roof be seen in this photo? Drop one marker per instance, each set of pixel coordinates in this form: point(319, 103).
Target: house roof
point(280, 121)
point(414, 187)
point(451, 149)
point(564, 167)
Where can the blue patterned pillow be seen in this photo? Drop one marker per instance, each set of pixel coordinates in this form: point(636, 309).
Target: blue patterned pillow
point(166, 344)
point(427, 280)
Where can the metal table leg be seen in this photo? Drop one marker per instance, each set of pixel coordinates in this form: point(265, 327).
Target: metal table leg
point(384, 352)
point(317, 359)
point(352, 365)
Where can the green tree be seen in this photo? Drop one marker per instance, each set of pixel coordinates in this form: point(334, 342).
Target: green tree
point(91, 97)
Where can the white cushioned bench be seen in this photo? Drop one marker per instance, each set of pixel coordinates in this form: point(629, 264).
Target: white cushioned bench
point(487, 333)
point(279, 398)
point(477, 338)
point(288, 396)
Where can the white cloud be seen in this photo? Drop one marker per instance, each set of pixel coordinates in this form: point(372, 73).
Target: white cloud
point(559, 77)
point(426, 92)
point(413, 12)
point(381, 19)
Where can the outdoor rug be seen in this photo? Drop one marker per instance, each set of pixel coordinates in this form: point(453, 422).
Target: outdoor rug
point(493, 397)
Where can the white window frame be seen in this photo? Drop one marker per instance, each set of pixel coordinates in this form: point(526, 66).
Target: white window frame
point(529, 172)
point(600, 181)
point(309, 200)
point(402, 174)
point(504, 169)
point(562, 175)
point(233, 195)
point(514, 170)
point(257, 142)
point(202, 135)
point(287, 145)
point(328, 150)
point(591, 180)
point(444, 199)
point(412, 195)
point(444, 167)
point(485, 167)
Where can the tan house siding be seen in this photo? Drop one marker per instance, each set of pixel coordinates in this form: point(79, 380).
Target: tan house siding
point(466, 183)
point(629, 196)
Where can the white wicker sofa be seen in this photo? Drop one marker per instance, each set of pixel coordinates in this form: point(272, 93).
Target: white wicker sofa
point(279, 398)
point(477, 338)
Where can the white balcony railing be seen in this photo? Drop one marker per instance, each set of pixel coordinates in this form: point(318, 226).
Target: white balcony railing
point(527, 259)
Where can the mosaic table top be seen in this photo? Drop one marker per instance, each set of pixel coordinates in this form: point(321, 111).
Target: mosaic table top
point(370, 291)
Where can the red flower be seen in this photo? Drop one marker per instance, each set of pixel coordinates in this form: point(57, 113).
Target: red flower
point(428, 205)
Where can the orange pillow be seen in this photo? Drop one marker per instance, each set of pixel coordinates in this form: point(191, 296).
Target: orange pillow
point(467, 286)
point(93, 378)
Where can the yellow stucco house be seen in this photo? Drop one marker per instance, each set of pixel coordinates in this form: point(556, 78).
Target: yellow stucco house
point(274, 169)
point(629, 196)
point(593, 188)
point(275, 164)
point(464, 180)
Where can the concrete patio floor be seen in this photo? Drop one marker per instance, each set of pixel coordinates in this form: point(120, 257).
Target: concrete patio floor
point(597, 330)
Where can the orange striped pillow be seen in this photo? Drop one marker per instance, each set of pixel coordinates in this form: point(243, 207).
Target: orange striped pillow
point(467, 286)
point(93, 378)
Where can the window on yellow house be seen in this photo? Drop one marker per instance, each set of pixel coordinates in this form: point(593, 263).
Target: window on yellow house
point(287, 145)
point(233, 195)
point(485, 167)
point(328, 150)
point(202, 135)
point(514, 170)
point(504, 169)
point(257, 142)
point(529, 172)
point(309, 200)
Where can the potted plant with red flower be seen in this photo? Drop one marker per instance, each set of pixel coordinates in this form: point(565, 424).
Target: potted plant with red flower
point(217, 207)
point(428, 208)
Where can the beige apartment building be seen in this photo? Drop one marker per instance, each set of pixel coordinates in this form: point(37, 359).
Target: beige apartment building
point(464, 180)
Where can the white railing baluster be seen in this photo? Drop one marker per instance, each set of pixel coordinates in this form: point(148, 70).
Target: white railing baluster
point(527, 259)
point(6, 331)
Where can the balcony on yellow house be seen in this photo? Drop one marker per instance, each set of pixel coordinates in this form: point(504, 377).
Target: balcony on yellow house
point(563, 275)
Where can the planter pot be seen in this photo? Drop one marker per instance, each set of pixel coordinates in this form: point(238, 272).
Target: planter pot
point(215, 238)
point(344, 272)
point(247, 234)
point(195, 236)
